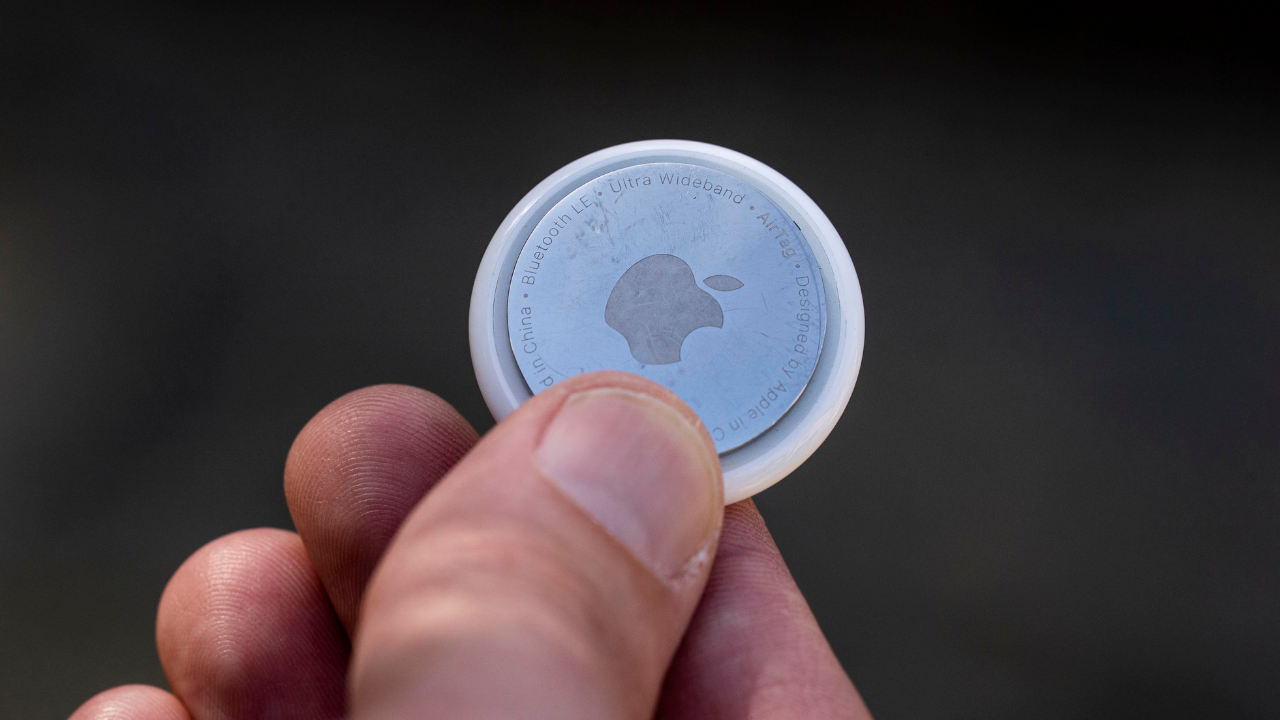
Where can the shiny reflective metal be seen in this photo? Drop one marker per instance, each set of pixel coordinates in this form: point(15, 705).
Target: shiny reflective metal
point(682, 274)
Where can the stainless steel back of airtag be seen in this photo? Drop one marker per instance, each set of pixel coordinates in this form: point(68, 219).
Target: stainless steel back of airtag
point(680, 273)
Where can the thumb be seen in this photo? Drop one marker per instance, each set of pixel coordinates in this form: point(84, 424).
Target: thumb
point(552, 573)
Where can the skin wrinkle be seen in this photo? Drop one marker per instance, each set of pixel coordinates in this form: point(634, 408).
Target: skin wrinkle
point(479, 608)
point(523, 554)
point(489, 564)
point(577, 671)
point(462, 616)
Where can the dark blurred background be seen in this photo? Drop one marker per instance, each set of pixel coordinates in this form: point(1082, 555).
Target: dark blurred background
point(1054, 494)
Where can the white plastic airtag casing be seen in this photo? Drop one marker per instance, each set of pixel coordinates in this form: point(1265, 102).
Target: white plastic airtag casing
point(690, 264)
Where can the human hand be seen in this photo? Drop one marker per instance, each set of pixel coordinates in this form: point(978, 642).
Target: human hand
point(561, 567)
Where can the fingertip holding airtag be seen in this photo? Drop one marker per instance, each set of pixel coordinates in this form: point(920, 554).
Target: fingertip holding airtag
point(693, 265)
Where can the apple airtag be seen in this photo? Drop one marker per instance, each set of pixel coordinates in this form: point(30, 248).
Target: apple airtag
point(689, 264)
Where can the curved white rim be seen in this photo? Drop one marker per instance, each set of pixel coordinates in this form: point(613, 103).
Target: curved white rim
point(781, 449)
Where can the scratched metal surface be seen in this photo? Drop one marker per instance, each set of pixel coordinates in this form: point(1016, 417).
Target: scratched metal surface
point(680, 273)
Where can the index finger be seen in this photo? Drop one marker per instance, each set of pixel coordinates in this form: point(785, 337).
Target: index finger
point(357, 469)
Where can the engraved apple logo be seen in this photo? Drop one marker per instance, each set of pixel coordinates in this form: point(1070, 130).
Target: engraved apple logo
point(657, 303)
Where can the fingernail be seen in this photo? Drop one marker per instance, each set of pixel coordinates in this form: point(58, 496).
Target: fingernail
point(641, 470)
